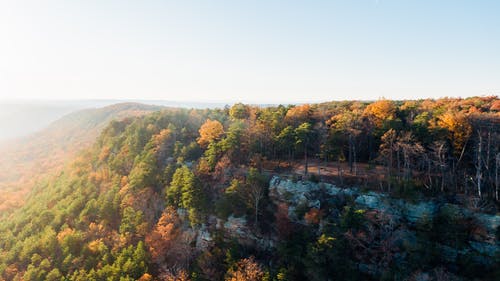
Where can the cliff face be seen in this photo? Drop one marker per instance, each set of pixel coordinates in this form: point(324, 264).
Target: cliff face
point(303, 193)
point(455, 234)
point(311, 194)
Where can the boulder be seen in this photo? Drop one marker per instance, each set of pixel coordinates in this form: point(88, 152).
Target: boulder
point(417, 212)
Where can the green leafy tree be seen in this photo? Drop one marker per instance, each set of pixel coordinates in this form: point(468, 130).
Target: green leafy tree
point(255, 190)
point(131, 220)
point(54, 275)
point(145, 171)
point(303, 137)
point(233, 143)
point(286, 140)
point(239, 111)
point(185, 191)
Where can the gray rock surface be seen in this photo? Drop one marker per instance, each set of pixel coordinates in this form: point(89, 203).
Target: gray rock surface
point(304, 193)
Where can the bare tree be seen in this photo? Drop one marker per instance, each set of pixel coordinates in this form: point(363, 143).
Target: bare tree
point(410, 149)
point(255, 188)
point(487, 128)
point(387, 149)
point(497, 180)
point(438, 158)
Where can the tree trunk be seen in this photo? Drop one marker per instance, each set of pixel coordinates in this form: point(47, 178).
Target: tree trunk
point(399, 166)
point(354, 159)
point(406, 165)
point(486, 161)
point(339, 171)
point(389, 168)
point(350, 153)
point(256, 212)
point(479, 164)
point(497, 180)
point(442, 178)
point(306, 163)
point(429, 178)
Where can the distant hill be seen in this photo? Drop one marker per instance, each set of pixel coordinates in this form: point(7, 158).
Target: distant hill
point(21, 118)
point(25, 159)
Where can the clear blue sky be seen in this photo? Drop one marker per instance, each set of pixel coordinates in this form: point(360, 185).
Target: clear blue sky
point(252, 51)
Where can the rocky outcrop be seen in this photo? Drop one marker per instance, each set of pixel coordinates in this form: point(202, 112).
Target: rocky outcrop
point(407, 220)
point(399, 208)
point(408, 216)
point(303, 193)
point(239, 228)
point(203, 238)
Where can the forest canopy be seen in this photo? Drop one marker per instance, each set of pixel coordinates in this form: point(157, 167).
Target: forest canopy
point(141, 202)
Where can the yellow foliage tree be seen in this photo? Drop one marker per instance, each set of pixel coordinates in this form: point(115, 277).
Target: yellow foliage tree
point(381, 111)
point(210, 130)
point(161, 138)
point(298, 114)
point(458, 127)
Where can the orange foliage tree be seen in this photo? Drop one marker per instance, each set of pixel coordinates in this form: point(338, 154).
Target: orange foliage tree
point(246, 270)
point(458, 127)
point(381, 111)
point(298, 114)
point(162, 239)
point(210, 130)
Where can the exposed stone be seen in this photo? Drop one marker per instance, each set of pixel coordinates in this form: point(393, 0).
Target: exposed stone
point(417, 212)
point(239, 229)
point(203, 239)
point(304, 193)
point(314, 204)
point(300, 194)
point(370, 201)
point(236, 226)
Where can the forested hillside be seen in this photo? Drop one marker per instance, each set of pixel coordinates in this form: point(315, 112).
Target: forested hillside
point(24, 160)
point(184, 195)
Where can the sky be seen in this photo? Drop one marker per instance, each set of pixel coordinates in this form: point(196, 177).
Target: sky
point(250, 51)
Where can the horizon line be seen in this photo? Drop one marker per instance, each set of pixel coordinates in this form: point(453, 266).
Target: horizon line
point(229, 101)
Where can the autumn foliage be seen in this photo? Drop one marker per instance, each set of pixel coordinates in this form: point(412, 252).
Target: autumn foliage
point(246, 270)
point(183, 194)
point(211, 130)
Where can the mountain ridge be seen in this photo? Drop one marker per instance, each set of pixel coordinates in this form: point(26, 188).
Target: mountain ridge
point(183, 194)
point(45, 151)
